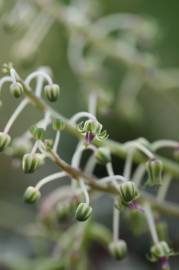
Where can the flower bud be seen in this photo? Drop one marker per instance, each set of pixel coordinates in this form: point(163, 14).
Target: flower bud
point(92, 129)
point(128, 192)
point(37, 133)
point(103, 155)
point(52, 92)
point(5, 140)
point(31, 195)
point(58, 124)
point(160, 250)
point(118, 249)
point(83, 212)
point(63, 211)
point(154, 168)
point(16, 89)
point(31, 162)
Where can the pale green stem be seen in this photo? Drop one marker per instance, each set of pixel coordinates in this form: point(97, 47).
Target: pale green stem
point(56, 142)
point(16, 113)
point(151, 224)
point(164, 144)
point(140, 147)
point(138, 174)
point(49, 178)
point(164, 188)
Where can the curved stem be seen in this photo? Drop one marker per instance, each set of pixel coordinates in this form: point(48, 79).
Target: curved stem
point(38, 73)
point(49, 178)
point(4, 80)
point(75, 118)
point(16, 113)
point(111, 178)
point(141, 147)
point(163, 144)
point(151, 224)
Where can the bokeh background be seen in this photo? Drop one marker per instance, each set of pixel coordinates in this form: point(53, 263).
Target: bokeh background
point(160, 112)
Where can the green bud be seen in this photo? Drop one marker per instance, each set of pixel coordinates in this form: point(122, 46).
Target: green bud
point(128, 192)
point(154, 168)
point(83, 212)
point(5, 140)
point(92, 129)
point(16, 89)
point(118, 249)
point(52, 92)
point(31, 162)
point(31, 195)
point(58, 124)
point(103, 155)
point(160, 250)
point(38, 133)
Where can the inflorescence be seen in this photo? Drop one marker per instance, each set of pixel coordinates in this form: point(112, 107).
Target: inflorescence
point(34, 148)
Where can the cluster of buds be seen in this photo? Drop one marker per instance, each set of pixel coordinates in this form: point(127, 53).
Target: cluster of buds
point(154, 168)
point(92, 129)
point(129, 193)
point(161, 252)
point(118, 249)
point(83, 212)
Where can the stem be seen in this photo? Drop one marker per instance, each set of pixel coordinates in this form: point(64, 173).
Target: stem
point(49, 178)
point(75, 118)
point(16, 113)
point(140, 147)
point(13, 75)
point(38, 73)
point(90, 165)
point(128, 164)
point(56, 142)
point(164, 188)
point(164, 143)
point(116, 222)
point(138, 175)
point(111, 178)
point(92, 103)
point(4, 80)
point(35, 147)
point(151, 224)
point(84, 189)
point(110, 171)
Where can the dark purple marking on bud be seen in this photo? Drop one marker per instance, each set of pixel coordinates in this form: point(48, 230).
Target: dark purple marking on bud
point(89, 137)
point(135, 206)
point(165, 263)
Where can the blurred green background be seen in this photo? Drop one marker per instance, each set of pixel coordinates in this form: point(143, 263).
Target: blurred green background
point(160, 120)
